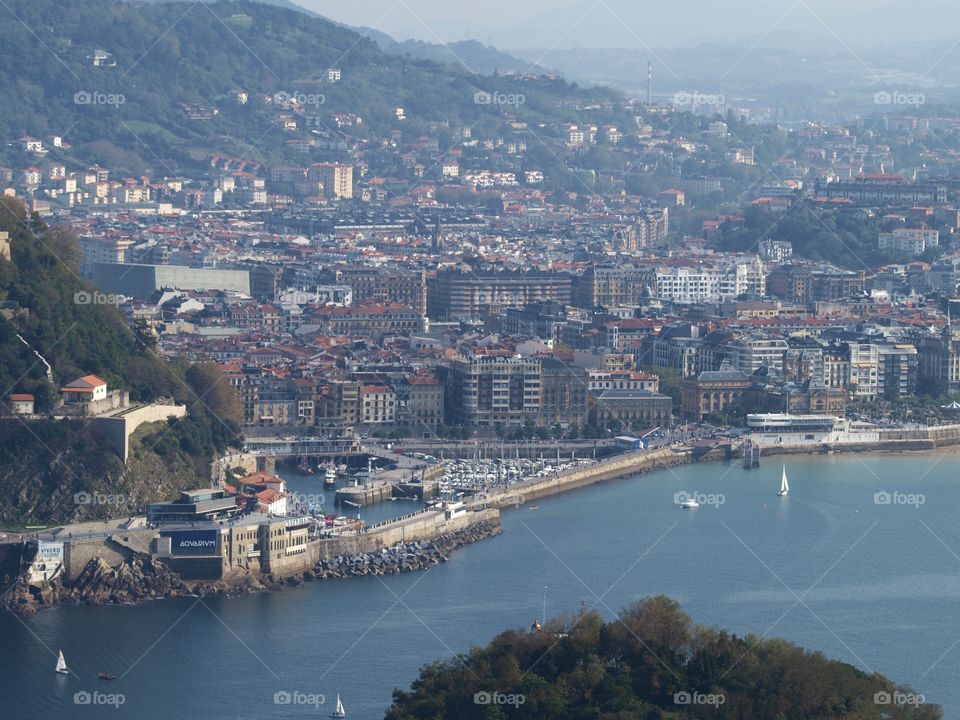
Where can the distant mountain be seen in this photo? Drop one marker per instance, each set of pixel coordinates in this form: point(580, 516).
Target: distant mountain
point(276, 3)
point(165, 95)
point(472, 55)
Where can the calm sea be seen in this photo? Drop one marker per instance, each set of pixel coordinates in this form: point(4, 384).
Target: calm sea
point(868, 579)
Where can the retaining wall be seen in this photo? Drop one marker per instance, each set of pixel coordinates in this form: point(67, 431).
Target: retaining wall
point(606, 470)
point(77, 553)
point(119, 428)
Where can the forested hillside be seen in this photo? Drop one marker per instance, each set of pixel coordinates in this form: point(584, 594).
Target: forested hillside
point(43, 463)
point(651, 663)
point(164, 97)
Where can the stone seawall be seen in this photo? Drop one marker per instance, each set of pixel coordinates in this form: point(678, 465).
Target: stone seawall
point(113, 573)
point(620, 466)
point(405, 556)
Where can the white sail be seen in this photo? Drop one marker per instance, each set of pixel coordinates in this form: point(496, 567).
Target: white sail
point(61, 663)
point(339, 712)
point(784, 485)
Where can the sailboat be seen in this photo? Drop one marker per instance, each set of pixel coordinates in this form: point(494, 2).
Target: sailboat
point(61, 664)
point(784, 485)
point(339, 712)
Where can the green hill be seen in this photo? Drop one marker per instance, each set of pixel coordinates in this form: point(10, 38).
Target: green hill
point(651, 663)
point(44, 463)
point(163, 100)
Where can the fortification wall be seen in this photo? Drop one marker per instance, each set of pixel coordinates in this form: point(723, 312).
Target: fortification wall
point(77, 553)
point(119, 428)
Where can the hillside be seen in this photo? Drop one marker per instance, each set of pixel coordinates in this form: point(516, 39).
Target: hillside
point(45, 462)
point(651, 663)
point(164, 98)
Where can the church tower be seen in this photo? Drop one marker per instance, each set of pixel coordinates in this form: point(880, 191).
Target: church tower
point(437, 244)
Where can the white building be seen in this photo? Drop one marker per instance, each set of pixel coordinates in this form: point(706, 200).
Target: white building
point(378, 405)
point(47, 563)
point(864, 370)
point(85, 389)
point(711, 283)
point(912, 241)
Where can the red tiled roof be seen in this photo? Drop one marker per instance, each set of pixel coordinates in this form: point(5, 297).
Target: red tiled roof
point(87, 383)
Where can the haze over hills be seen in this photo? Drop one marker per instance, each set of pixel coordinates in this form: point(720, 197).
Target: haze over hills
point(169, 87)
point(618, 23)
point(817, 49)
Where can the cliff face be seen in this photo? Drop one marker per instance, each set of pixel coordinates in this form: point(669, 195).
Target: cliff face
point(68, 473)
point(55, 471)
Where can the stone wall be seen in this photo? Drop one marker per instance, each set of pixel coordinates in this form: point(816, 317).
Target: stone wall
point(78, 553)
point(423, 527)
point(119, 428)
point(249, 462)
point(620, 466)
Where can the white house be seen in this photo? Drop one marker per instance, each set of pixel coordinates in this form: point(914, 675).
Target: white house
point(21, 404)
point(85, 389)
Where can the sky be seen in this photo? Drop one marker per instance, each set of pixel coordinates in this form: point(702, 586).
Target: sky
point(563, 24)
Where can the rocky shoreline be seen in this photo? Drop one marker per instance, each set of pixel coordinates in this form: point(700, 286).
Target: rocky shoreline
point(143, 578)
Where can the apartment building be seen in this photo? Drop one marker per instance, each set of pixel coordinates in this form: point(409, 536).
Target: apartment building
point(910, 241)
point(615, 286)
point(367, 320)
point(337, 179)
point(378, 405)
point(711, 284)
point(563, 393)
point(467, 295)
point(488, 387)
point(404, 287)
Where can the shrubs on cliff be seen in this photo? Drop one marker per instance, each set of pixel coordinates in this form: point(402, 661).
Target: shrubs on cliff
point(44, 463)
point(651, 663)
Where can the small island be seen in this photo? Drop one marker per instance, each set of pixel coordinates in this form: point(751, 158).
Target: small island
point(650, 663)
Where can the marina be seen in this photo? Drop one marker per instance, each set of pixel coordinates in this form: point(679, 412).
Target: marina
point(865, 570)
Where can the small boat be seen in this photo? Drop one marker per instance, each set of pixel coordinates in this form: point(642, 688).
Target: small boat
point(784, 485)
point(106, 676)
point(339, 712)
point(61, 664)
point(330, 477)
point(689, 503)
point(534, 507)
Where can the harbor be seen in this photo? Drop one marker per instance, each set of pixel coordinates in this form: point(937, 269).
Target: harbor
point(353, 637)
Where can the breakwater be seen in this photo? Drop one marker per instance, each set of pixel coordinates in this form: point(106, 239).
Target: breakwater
point(404, 557)
point(620, 466)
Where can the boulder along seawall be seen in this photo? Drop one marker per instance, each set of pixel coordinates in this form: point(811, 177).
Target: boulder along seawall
point(142, 578)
